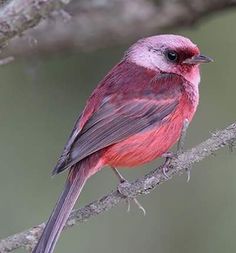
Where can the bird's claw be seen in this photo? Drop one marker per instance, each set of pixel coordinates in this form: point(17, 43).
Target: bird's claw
point(128, 200)
point(188, 171)
point(120, 189)
point(168, 157)
point(139, 206)
point(164, 171)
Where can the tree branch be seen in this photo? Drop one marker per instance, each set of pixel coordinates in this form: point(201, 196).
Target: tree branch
point(141, 186)
point(98, 24)
point(18, 16)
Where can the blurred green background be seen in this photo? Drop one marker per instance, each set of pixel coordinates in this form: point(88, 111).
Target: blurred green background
point(40, 99)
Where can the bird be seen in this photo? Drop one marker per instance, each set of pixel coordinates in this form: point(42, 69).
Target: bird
point(134, 115)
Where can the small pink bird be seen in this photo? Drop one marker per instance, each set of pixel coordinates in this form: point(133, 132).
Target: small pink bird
point(135, 115)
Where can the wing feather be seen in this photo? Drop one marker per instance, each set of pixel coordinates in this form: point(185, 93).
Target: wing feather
point(112, 123)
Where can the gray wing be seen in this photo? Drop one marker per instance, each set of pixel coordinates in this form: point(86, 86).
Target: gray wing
point(111, 124)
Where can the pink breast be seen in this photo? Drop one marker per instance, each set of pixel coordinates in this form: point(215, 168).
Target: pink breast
point(146, 146)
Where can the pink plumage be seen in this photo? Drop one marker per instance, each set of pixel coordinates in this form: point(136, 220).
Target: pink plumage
point(134, 116)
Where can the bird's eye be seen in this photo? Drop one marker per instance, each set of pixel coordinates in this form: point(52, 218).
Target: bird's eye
point(172, 56)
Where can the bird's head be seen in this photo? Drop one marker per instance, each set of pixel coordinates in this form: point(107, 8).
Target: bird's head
point(168, 53)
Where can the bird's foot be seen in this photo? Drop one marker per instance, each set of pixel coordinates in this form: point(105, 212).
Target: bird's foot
point(124, 184)
point(180, 147)
point(168, 157)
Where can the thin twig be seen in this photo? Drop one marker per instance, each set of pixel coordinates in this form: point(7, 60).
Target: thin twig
point(141, 186)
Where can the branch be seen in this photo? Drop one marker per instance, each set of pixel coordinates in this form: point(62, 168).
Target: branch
point(18, 16)
point(141, 186)
point(97, 24)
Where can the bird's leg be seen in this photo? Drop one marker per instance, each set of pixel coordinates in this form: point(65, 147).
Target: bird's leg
point(180, 144)
point(118, 174)
point(123, 180)
point(180, 147)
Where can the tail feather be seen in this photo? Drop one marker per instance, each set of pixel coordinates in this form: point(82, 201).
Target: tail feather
point(75, 182)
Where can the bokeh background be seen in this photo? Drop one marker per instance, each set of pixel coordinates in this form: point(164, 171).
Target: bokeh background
point(41, 97)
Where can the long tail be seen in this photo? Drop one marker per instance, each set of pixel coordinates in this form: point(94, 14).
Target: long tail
point(74, 184)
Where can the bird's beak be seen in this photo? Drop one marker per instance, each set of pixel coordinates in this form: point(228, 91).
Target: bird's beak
point(196, 59)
